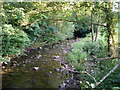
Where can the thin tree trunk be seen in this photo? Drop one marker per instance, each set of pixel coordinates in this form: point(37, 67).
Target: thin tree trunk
point(97, 28)
point(92, 27)
point(92, 32)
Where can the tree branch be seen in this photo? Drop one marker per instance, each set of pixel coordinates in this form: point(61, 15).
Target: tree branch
point(97, 83)
point(74, 21)
point(83, 72)
point(107, 74)
point(102, 59)
point(29, 24)
point(100, 24)
point(63, 20)
point(91, 77)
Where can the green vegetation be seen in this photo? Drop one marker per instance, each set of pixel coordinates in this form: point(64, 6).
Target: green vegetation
point(31, 24)
point(24, 25)
point(85, 49)
point(13, 41)
point(40, 31)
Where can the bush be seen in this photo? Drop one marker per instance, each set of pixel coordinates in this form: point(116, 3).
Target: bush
point(15, 15)
point(83, 50)
point(13, 40)
point(41, 31)
point(66, 30)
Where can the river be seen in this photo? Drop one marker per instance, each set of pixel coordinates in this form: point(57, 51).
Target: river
point(38, 68)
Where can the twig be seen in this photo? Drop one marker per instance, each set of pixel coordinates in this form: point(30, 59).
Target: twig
point(83, 72)
point(91, 77)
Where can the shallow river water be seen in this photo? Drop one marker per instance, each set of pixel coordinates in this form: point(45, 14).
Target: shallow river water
point(38, 68)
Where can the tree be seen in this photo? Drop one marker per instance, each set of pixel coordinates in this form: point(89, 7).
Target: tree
point(110, 25)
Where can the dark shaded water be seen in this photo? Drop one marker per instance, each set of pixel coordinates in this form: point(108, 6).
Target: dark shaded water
point(39, 68)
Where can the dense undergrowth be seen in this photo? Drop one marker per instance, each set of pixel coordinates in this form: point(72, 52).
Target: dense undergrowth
point(79, 57)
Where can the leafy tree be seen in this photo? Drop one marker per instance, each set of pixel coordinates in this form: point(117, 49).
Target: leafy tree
point(13, 40)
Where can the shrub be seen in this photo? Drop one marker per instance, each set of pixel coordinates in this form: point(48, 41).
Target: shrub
point(83, 50)
point(13, 40)
point(41, 31)
point(66, 29)
point(14, 15)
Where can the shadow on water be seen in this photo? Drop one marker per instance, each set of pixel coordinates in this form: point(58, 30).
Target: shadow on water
point(39, 68)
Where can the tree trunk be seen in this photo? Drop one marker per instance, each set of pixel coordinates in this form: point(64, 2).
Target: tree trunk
point(97, 28)
point(110, 30)
point(92, 27)
point(92, 32)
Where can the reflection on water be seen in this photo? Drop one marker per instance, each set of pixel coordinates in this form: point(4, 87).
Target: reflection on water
point(39, 68)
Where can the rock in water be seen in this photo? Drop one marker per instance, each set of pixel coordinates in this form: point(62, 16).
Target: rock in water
point(40, 47)
point(50, 72)
point(35, 68)
point(39, 56)
point(56, 57)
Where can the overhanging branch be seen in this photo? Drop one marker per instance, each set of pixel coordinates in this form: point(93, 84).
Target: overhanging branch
point(75, 21)
point(65, 20)
point(102, 59)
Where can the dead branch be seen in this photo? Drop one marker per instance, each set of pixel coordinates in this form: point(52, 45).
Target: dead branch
point(107, 74)
point(91, 77)
point(63, 20)
point(103, 59)
point(83, 72)
point(96, 83)
point(100, 24)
